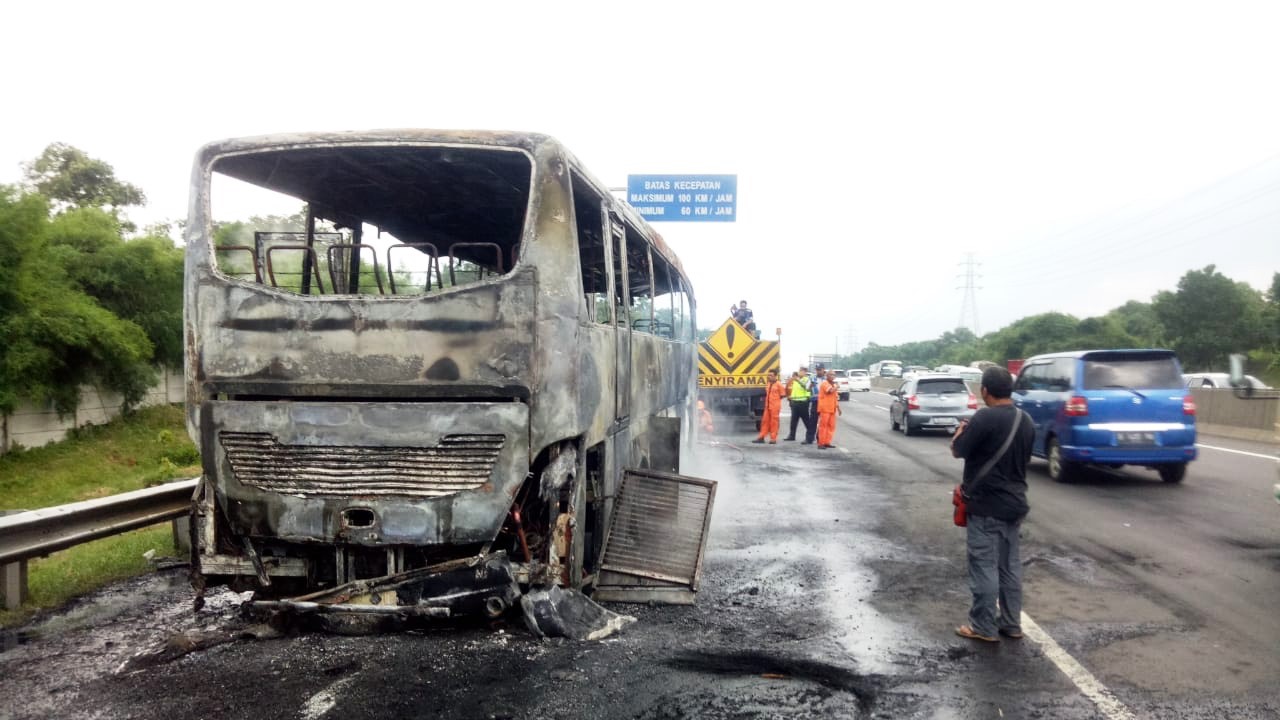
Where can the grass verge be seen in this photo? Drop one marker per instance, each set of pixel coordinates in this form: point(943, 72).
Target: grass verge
point(147, 448)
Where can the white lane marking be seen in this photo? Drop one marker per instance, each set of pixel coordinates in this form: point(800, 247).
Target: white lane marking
point(880, 407)
point(1239, 452)
point(1108, 704)
point(322, 702)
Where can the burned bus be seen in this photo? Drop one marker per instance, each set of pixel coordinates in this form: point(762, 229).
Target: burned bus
point(435, 354)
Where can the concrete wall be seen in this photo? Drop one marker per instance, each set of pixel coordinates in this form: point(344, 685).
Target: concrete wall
point(32, 425)
point(1218, 412)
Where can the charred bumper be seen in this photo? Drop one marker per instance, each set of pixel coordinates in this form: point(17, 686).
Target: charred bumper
point(367, 473)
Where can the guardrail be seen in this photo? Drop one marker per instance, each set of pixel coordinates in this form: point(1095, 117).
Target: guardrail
point(36, 533)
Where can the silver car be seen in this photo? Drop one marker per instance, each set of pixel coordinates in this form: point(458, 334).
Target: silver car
point(931, 402)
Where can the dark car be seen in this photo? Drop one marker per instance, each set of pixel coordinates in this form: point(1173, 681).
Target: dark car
point(931, 402)
point(1109, 407)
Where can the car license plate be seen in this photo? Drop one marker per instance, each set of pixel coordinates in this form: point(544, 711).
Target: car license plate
point(942, 421)
point(1129, 439)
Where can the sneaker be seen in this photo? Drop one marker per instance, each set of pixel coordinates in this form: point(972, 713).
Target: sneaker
point(807, 442)
point(1014, 633)
point(788, 439)
point(773, 442)
point(758, 441)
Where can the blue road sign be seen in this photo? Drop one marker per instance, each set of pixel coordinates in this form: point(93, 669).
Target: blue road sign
point(684, 198)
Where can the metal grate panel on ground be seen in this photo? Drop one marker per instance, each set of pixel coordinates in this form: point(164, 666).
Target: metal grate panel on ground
point(659, 527)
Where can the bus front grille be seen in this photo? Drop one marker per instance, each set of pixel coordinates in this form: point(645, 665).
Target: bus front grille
point(458, 463)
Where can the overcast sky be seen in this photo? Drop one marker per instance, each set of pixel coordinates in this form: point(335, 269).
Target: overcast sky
point(1086, 153)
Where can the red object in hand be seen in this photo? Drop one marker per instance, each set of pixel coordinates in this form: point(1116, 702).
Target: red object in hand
point(961, 516)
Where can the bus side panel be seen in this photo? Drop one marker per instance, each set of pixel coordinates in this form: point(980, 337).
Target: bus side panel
point(564, 388)
point(657, 382)
point(595, 381)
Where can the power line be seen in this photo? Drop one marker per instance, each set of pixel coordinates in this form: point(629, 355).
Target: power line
point(1112, 236)
point(969, 307)
point(1125, 254)
point(1177, 202)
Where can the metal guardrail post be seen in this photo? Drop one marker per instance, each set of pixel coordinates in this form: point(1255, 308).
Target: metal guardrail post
point(13, 584)
point(13, 577)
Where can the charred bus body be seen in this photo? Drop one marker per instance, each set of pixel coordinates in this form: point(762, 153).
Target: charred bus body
point(460, 351)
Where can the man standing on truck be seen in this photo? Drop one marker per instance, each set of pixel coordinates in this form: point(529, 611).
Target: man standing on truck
point(773, 394)
point(799, 392)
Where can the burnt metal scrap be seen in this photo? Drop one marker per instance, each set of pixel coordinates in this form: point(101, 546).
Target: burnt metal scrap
point(478, 587)
point(557, 473)
point(557, 612)
point(482, 587)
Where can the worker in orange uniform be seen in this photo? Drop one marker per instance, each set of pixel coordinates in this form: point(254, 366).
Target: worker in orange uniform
point(704, 419)
point(773, 394)
point(828, 408)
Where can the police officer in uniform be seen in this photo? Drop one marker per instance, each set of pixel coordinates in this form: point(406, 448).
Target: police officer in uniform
point(799, 390)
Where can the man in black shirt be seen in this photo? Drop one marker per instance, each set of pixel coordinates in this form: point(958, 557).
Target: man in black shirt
point(996, 447)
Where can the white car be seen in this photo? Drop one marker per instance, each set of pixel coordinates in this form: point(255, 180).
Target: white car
point(911, 372)
point(842, 383)
point(859, 380)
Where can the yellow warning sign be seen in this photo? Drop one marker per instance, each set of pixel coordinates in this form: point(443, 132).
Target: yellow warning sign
point(731, 340)
point(732, 357)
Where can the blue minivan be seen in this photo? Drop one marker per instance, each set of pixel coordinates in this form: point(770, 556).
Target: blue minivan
point(1109, 407)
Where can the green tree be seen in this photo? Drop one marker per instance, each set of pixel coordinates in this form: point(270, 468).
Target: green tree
point(1210, 316)
point(1271, 314)
point(78, 302)
point(70, 178)
point(1139, 321)
point(1047, 332)
point(56, 336)
point(140, 280)
point(1101, 333)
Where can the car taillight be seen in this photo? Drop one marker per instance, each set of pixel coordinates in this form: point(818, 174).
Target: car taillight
point(912, 404)
point(973, 402)
point(1188, 405)
point(1077, 406)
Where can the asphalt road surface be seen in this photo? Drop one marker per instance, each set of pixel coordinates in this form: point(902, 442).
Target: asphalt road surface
point(833, 582)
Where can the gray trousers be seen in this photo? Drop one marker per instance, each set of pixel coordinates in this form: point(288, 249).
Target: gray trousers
point(995, 573)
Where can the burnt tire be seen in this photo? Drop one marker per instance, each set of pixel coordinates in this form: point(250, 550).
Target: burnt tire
point(1172, 473)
